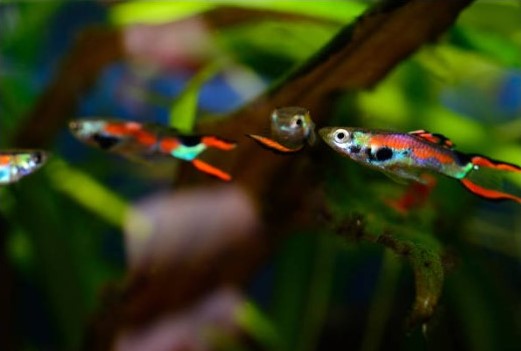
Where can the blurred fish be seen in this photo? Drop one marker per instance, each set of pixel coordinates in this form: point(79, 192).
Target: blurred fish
point(16, 164)
point(409, 155)
point(138, 141)
point(291, 128)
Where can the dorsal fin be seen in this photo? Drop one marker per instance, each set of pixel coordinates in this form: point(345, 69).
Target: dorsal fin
point(434, 138)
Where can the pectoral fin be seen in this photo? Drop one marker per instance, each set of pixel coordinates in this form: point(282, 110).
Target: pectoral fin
point(405, 176)
point(273, 145)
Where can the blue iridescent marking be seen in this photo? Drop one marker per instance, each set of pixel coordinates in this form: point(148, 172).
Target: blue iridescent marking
point(4, 175)
point(188, 153)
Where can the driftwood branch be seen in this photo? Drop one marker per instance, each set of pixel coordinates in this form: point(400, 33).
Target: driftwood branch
point(358, 57)
point(428, 266)
point(95, 49)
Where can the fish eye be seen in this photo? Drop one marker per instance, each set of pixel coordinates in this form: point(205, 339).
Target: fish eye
point(341, 136)
point(297, 121)
point(38, 157)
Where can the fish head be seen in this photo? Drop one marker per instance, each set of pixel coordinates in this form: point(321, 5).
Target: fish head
point(86, 128)
point(348, 142)
point(94, 132)
point(29, 161)
point(19, 163)
point(292, 126)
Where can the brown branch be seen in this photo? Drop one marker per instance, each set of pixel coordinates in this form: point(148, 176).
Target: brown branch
point(357, 58)
point(95, 49)
point(428, 266)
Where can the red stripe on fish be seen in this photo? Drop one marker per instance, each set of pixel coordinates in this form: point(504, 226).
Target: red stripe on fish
point(418, 148)
point(122, 128)
point(168, 144)
point(131, 129)
point(145, 138)
point(425, 153)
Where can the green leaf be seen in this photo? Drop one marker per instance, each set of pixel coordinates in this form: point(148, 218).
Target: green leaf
point(183, 111)
point(24, 40)
point(258, 41)
point(493, 45)
point(256, 323)
point(87, 192)
point(381, 305)
point(163, 11)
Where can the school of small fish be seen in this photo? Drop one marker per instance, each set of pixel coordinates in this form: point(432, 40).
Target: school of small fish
point(401, 156)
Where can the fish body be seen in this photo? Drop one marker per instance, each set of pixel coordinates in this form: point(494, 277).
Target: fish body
point(408, 156)
point(16, 164)
point(290, 129)
point(139, 141)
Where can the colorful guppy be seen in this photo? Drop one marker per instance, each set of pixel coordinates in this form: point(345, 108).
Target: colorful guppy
point(409, 155)
point(16, 164)
point(148, 141)
point(291, 128)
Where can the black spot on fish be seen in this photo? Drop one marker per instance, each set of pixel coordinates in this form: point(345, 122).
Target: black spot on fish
point(105, 142)
point(38, 157)
point(384, 154)
point(461, 158)
point(354, 149)
point(369, 154)
point(190, 140)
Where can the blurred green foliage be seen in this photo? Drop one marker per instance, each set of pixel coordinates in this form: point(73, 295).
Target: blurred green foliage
point(61, 221)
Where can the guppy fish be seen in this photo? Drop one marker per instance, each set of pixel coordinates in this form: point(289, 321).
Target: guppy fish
point(291, 128)
point(16, 164)
point(409, 155)
point(147, 141)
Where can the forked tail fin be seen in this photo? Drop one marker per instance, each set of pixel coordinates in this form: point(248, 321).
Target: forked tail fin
point(484, 179)
point(482, 161)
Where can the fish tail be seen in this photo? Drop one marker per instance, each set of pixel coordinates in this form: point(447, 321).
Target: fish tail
point(483, 161)
point(211, 170)
point(489, 194)
point(482, 179)
point(272, 144)
point(218, 143)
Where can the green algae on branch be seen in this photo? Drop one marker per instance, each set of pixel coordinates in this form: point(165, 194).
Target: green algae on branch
point(424, 257)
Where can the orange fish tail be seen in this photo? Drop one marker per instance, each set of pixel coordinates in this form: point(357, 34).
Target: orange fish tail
point(211, 170)
point(490, 194)
point(484, 179)
point(218, 143)
point(482, 161)
point(272, 144)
